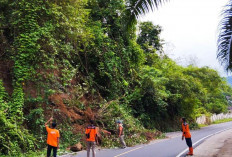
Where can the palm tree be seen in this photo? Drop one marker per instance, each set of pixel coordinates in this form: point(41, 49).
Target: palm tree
point(225, 38)
point(135, 8)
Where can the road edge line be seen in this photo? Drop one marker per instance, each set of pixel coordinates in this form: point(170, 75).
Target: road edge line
point(181, 153)
point(128, 151)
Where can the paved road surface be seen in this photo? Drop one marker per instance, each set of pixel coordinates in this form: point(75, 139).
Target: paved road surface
point(170, 147)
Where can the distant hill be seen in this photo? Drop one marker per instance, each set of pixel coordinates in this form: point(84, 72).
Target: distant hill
point(229, 80)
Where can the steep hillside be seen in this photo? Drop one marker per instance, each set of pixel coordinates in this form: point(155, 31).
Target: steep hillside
point(77, 60)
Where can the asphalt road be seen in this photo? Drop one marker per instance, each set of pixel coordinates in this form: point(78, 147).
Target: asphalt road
point(170, 147)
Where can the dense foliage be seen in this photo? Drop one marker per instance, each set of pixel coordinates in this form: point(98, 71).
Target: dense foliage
point(79, 56)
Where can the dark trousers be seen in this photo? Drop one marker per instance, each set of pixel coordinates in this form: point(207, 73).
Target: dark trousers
point(50, 149)
point(188, 142)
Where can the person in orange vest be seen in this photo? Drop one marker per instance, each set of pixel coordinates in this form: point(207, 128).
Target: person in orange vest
point(91, 138)
point(121, 134)
point(186, 134)
point(52, 138)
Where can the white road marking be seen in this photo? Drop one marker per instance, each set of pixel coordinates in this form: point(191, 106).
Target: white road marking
point(179, 155)
point(139, 147)
point(128, 152)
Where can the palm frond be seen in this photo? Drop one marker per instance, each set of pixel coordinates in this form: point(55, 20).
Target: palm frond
point(135, 8)
point(224, 52)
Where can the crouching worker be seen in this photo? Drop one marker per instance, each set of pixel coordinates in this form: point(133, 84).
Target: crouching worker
point(187, 135)
point(52, 138)
point(91, 138)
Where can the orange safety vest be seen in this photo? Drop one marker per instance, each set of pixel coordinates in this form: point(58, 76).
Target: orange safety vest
point(91, 131)
point(120, 128)
point(186, 130)
point(53, 136)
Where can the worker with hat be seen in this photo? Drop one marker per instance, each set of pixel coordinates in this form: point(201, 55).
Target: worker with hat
point(121, 133)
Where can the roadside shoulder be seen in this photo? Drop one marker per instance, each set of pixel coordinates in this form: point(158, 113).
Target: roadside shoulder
point(218, 145)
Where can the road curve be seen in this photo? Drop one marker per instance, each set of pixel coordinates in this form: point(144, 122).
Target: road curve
point(170, 147)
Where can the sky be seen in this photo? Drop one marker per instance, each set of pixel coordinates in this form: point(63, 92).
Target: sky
point(190, 30)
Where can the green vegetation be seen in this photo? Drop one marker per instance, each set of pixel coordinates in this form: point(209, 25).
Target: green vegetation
point(216, 122)
point(222, 121)
point(202, 125)
point(77, 60)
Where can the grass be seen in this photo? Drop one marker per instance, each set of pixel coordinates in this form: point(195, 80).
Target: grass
point(216, 122)
point(202, 125)
point(222, 121)
point(162, 136)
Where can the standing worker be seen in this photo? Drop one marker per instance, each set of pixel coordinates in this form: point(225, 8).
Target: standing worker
point(121, 134)
point(187, 135)
point(52, 138)
point(91, 138)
